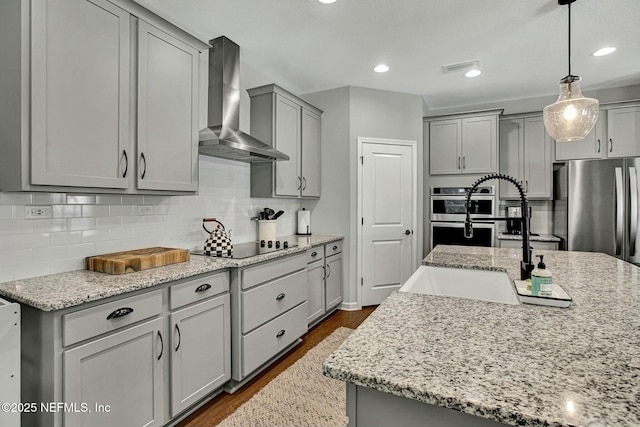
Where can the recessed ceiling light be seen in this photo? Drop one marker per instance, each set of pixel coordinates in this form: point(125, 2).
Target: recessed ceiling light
point(381, 68)
point(473, 73)
point(604, 51)
point(327, 1)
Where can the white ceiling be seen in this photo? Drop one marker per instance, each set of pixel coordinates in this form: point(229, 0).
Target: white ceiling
point(521, 44)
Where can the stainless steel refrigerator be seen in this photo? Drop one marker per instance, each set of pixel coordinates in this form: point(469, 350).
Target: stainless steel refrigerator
point(596, 206)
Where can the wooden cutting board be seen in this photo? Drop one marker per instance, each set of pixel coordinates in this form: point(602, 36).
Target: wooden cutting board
point(136, 260)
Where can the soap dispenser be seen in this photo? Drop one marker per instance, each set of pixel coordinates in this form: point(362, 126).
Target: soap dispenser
point(541, 280)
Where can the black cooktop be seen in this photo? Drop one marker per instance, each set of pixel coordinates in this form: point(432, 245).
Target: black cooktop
point(250, 249)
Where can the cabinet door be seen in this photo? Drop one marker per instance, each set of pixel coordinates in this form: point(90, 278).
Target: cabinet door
point(333, 281)
point(623, 128)
point(593, 146)
point(479, 145)
point(511, 155)
point(310, 154)
point(80, 94)
point(167, 112)
point(200, 351)
point(124, 371)
point(445, 138)
point(287, 140)
point(315, 290)
point(537, 157)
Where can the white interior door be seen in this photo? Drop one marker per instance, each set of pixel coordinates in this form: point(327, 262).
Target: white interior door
point(388, 181)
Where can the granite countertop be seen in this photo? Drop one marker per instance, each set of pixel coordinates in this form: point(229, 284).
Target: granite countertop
point(538, 238)
point(63, 290)
point(521, 364)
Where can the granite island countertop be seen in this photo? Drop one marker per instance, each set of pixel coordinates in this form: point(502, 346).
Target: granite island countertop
point(63, 290)
point(520, 365)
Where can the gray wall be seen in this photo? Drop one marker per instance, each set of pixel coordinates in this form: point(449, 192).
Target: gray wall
point(350, 113)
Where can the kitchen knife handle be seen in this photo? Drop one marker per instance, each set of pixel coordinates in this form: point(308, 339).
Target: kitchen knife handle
point(120, 312)
point(633, 210)
point(161, 345)
point(144, 170)
point(126, 163)
point(619, 211)
point(179, 337)
point(598, 145)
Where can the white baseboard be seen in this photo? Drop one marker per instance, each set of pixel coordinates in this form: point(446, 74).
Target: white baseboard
point(350, 306)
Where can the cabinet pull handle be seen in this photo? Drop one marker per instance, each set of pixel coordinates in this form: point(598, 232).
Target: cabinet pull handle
point(179, 337)
point(203, 287)
point(304, 185)
point(161, 345)
point(458, 162)
point(324, 272)
point(280, 297)
point(598, 145)
point(280, 333)
point(335, 248)
point(299, 183)
point(610, 145)
point(126, 163)
point(526, 186)
point(464, 162)
point(144, 171)
point(314, 253)
point(328, 271)
point(120, 312)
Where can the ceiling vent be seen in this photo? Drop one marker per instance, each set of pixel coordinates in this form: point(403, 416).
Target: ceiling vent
point(461, 66)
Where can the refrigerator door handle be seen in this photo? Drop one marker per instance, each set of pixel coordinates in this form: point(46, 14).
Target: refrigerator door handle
point(619, 211)
point(633, 210)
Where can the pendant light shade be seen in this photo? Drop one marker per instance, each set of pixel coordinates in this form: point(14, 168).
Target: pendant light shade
point(572, 116)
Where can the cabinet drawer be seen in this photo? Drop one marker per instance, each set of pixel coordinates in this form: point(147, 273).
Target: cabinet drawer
point(273, 337)
point(267, 271)
point(315, 254)
point(333, 248)
point(265, 302)
point(198, 289)
point(91, 322)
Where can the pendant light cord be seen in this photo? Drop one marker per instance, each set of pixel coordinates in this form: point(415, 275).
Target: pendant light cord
point(569, 39)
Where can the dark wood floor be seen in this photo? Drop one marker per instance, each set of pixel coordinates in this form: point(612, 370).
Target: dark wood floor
point(221, 406)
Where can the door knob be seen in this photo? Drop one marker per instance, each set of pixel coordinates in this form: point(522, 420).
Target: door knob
point(407, 232)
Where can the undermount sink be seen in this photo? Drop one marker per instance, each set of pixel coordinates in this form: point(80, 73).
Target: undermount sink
point(484, 285)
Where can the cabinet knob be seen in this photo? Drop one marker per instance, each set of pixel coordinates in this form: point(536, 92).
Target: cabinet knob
point(280, 333)
point(280, 297)
point(335, 248)
point(314, 253)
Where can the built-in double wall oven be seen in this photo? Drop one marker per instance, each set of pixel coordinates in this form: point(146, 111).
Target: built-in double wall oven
point(448, 213)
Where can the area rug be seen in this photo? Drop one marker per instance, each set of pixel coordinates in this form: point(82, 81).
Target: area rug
point(300, 396)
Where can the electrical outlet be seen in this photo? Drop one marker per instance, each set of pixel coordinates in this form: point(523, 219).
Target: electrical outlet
point(145, 210)
point(38, 212)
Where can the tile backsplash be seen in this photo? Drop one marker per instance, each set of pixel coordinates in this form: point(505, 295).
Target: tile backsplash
point(86, 224)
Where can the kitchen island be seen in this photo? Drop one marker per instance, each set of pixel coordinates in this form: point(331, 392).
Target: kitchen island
point(511, 364)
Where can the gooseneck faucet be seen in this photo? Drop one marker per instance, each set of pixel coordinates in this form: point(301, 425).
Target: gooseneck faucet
point(526, 266)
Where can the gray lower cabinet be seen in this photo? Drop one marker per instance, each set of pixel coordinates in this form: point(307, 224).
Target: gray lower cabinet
point(269, 313)
point(119, 378)
point(324, 273)
point(134, 360)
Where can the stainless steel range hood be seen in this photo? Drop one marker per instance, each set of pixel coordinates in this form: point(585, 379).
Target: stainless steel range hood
point(222, 136)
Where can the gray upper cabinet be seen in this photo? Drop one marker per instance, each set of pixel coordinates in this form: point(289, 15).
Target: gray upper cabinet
point(525, 154)
point(464, 145)
point(292, 126)
point(616, 134)
point(79, 78)
point(167, 112)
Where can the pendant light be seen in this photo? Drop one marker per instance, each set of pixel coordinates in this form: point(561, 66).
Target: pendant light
point(572, 116)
